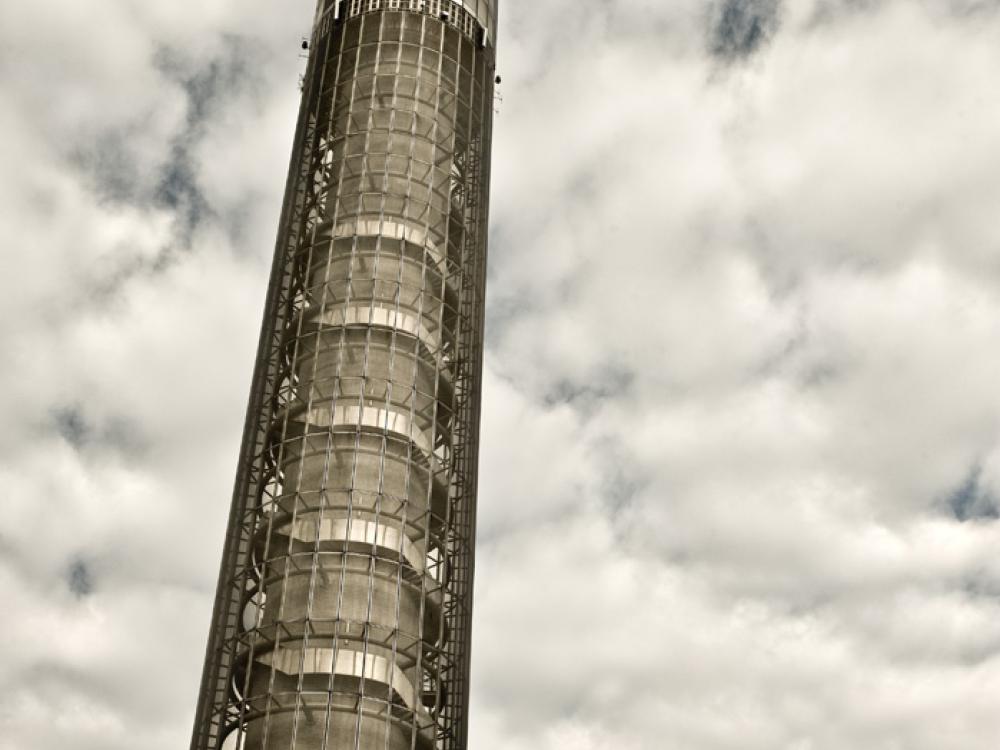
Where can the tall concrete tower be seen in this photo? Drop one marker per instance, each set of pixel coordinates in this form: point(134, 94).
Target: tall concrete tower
point(342, 619)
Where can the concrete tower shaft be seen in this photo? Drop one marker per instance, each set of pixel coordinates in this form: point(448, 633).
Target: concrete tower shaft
point(342, 620)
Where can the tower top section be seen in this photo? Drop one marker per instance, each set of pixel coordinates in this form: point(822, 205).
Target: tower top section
point(474, 17)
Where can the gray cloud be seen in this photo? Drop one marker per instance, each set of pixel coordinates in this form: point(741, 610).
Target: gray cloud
point(80, 579)
point(741, 27)
point(209, 88)
point(72, 426)
point(970, 502)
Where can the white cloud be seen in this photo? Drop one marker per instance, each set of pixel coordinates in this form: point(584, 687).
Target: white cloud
point(740, 457)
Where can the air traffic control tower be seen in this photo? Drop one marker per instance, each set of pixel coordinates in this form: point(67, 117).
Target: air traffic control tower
point(342, 619)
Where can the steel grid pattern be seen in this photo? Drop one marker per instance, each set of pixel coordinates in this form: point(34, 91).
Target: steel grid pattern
point(343, 613)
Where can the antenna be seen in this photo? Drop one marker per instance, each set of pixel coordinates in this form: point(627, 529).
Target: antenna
point(304, 45)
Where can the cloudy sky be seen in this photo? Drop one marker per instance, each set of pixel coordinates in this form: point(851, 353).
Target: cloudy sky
point(741, 437)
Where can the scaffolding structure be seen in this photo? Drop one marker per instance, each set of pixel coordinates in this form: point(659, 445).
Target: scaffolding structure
point(343, 612)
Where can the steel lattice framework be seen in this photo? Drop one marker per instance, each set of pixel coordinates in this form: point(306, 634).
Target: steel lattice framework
point(342, 618)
